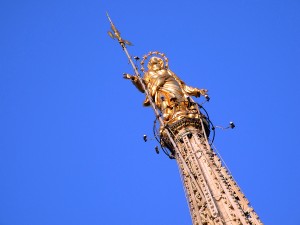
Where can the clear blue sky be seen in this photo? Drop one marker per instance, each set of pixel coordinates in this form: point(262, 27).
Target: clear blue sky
point(71, 148)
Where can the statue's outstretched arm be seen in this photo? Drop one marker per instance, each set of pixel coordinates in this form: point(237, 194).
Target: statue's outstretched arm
point(135, 81)
point(188, 89)
point(194, 91)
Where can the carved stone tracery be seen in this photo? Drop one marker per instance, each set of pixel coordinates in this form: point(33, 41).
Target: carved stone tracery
point(213, 196)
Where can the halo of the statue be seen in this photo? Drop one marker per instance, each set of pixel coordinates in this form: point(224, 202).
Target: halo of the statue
point(156, 53)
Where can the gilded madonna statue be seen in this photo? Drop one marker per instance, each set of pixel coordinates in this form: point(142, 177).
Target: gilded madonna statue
point(168, 91)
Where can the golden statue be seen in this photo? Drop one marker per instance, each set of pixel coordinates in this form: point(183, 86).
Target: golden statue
point(168, 91)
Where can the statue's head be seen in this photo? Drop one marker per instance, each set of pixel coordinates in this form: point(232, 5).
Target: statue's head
point(155, 63)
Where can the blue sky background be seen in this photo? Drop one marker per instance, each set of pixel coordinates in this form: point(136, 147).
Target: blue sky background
point(71, 148)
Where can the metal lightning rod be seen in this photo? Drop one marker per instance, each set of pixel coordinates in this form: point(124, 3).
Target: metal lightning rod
point(117, 35)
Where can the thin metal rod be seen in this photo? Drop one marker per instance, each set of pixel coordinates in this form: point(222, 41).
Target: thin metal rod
point(157, 114)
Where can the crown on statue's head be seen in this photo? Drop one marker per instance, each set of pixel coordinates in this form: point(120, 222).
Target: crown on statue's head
point(155, 54)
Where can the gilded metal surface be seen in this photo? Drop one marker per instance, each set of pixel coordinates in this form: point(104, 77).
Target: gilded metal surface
point(213, 196)
point(169, 92)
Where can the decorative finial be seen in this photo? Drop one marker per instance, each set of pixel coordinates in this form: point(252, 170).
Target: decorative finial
point(116, 34)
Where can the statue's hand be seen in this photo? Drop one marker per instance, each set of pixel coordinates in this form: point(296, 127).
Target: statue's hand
point(203, 92)
point(130, 77)
point(127, 76)
point(200, 92)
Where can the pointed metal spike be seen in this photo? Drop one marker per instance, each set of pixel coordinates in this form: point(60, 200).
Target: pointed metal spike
point(108, 17)
point(114, 29)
